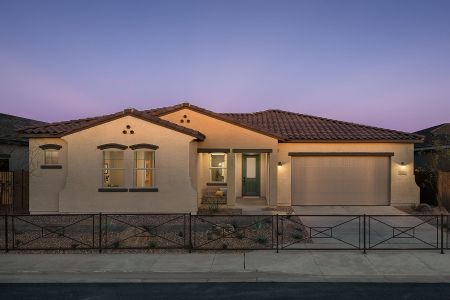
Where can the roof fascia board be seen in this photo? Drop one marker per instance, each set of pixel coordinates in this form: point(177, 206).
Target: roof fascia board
point(341, 153)
point(354, 141)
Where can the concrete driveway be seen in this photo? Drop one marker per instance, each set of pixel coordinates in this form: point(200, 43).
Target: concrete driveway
point(386, 227)
point(346, 210)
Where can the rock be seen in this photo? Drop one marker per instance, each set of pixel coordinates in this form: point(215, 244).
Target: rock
point(424, 208)
point(219, 231)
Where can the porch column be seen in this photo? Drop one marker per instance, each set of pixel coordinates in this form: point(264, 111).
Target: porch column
point(231, 176)
point(273, 175)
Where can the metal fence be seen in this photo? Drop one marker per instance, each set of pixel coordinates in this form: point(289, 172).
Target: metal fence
point(99, 232)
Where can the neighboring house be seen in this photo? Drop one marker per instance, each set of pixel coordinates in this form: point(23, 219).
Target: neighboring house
point(13, 148)
point(436, 138)
point(430, 158)
point(169, 159)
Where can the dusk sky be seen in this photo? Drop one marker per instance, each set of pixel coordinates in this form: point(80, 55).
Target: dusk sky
point(382, 63)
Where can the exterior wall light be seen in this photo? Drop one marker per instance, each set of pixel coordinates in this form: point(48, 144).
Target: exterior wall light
point(402, 170)
point(280, 163)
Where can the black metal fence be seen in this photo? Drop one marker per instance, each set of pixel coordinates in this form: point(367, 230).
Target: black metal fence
point(98, 232)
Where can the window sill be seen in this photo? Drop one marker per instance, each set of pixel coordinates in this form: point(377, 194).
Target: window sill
point(112, 190)
point(216, 184)
point(51, 167)
point(143, 190)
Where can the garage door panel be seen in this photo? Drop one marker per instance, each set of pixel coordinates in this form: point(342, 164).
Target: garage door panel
point(340, 180)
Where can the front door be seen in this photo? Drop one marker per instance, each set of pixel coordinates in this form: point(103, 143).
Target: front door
point(250, 174)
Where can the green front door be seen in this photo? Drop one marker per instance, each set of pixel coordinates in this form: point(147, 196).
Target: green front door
point(250, 174)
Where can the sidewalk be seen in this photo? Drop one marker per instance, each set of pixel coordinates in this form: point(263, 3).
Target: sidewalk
point(383, 266)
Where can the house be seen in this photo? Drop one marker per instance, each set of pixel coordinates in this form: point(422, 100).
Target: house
point(436, 137)
point(431, 159)
point(13, 148)
point(171, 159)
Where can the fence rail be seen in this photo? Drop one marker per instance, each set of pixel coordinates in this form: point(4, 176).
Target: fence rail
point(99, 232)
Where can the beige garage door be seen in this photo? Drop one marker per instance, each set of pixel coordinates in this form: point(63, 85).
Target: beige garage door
point(340, 180)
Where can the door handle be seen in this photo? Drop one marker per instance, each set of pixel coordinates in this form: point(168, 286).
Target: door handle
point(243, 179)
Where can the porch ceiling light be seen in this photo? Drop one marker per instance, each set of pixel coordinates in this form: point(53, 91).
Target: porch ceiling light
point(280, 163)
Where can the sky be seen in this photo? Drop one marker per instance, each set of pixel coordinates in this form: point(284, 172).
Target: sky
point(380, 63)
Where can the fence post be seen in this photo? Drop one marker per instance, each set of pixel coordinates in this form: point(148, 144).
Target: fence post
point(277, 235)
point(190, 232)
point(6, 233)
point(442, 234)
point(364, 234)
point(100, 233)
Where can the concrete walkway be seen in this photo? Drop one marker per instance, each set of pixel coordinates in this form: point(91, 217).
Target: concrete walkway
point(383, 266)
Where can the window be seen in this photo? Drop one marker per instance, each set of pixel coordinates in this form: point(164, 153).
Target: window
point(51, 156)
point(4, 164)
point(113, 169)
point(144, 169)
point(218, 167)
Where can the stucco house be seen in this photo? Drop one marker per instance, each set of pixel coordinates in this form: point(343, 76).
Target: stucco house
point(174, 158)
point(13, 148)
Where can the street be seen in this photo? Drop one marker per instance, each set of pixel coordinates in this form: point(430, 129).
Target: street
point(257, 290)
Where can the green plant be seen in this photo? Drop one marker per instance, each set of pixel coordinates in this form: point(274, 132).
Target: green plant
point(180, 234)
point(116, 244)
point(213, 208)
point(258, 225)
point(224, 246)
point(18, 243)
point(73, 246)
point(261, 240)
point(152, 244)
point(297, 236)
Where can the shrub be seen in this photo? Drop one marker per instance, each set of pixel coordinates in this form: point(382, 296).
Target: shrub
point(261, 240)
point(152, 244)
point(297, 236)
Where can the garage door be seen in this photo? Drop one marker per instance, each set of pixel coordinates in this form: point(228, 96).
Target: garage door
point(340, 180)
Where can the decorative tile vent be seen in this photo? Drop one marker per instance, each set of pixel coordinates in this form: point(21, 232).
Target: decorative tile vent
point(128, 129)
point(185, 119)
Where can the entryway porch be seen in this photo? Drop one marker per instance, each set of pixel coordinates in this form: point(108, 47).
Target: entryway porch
point(237, 179)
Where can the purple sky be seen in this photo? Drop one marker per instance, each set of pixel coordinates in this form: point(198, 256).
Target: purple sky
point(382, 63)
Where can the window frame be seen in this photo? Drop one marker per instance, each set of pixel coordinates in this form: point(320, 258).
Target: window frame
point(225, 179)
point(103, 186)
point(135, 169)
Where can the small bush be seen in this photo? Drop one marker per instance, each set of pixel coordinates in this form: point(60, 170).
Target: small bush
point(224, 246)
point(258, 225)
point(74, 246)
point(180, 234)
point(116, 244)
point(262, 240)
point(152, 244)
point(297, 236)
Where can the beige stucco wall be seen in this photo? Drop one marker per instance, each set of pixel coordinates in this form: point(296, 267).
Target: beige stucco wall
point(175, 172)
point(220, 134)
point(403, 187)
point(46, 184)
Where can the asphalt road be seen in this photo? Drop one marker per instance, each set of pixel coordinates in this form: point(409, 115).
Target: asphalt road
point(248, 291)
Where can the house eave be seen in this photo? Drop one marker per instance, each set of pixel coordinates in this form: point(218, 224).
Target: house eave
point(352, 141)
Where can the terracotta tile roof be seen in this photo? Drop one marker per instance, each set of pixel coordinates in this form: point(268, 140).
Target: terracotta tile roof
point(299, 127)
point(283, 125)
point(59, 129)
